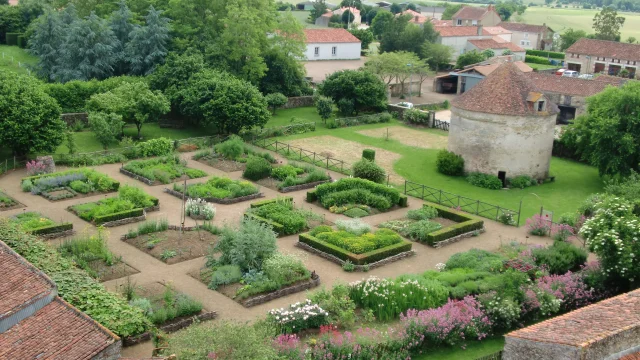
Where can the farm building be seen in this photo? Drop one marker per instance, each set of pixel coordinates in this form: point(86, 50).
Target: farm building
point(331, 44)
point(601, 56)
point(504, 126)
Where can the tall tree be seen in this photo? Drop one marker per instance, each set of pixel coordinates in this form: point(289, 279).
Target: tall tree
point(449, 10)
point(121, 24)
point(30, 118)
point(88, 51)
point(69, 15)
point(319, 8)
point(106, 127)
point(569, 37)
point(364, 35)
point(173, 75)
point(468, 58)
point(436, 55)
point(380, 22)
point(48, 34)
point(148, 46)
point(362, 88)
point(395, 8)
point(607, 24)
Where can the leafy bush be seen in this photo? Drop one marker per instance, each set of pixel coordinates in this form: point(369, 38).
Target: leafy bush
point(539, 226)
point(449, 163)
point(369, 170)
point(420, 229)
point(369, 154)
point(246, 247)
point(521, 181)
point(257, 168)
point(164, 170)
point(476, 259)
point(486, 181)
point(199, 207)
point(320, 229)
point(225, 275)
point(355, 226)
point(536, 60)
point(345, 107)
point(282, 212)
point(130, 202)
point(155, 147)
point(504, 312)
point(543, 53)
point(360, 244)
point(219, 188)
point(314, 176)
point(424, 213)
point(355, 191)
point(297, 317)
point(415, 116)
point(560, 257)
point(356, 212)
point(285, 171)
point(284, 268)
point(232, 148)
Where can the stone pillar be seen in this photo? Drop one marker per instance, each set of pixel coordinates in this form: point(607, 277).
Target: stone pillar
point(432, 117)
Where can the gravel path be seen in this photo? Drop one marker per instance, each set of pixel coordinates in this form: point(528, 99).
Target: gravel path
point(152, 270)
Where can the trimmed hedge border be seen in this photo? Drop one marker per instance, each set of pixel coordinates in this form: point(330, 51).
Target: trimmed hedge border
point(216, 200)
point(120, 218)
point(52, 229)
point(341, 262)
point(455, 239)
point(466, 224)
point(357, 259)
point(261, 203)
point(395, 197)
point(261, 299)
point(98, 220)
point(134, 340)
point(277, 227)
point(303, 186)
point(136, 177)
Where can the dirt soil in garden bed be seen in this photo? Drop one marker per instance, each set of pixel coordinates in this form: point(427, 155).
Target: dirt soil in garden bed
point(77, 195)
point(116, 271)
point(269, 182)
point(155, 293)
point(188, 245)
point(15, 205)
point(409, 137)
point(224, 165)
point(341, 149)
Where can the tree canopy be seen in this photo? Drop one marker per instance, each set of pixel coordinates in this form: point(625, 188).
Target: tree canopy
point(468, 58)
point(362, 88)
point(569, 37)
point(607, 24)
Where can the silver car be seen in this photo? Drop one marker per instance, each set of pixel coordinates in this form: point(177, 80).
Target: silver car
point(570, 73)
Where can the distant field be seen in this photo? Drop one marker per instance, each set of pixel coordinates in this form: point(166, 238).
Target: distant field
point(302, 17)
point(14, 59)
point(582, 19)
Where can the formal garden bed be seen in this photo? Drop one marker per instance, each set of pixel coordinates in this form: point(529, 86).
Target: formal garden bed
point(69, 184)
point(170, 244)
point(8, 203)
point(246, 266)
point(91, 253)
point(294, 177)
point(130, 205)
point(37, 224)
point(436, 225)
point(355, 197)
point(165, 307)
point(220, 190)
point(231, 155)
point(282, 215)
point(355, 245)
point(162, 170)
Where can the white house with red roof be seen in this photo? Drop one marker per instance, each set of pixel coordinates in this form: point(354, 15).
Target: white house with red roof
point(331, 44)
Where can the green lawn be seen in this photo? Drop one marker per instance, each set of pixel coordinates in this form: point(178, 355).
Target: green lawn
point(574, 181)
point(474, 350)
point(542, 67)
point(14, 59)
point(560, 19)
point(302, 17)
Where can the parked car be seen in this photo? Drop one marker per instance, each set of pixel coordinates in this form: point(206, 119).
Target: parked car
point(586, 76)
point(560, 71)
point(570, 73)
point(406, 104)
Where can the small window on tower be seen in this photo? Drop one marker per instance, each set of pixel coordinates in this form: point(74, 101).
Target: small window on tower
point(540, 105)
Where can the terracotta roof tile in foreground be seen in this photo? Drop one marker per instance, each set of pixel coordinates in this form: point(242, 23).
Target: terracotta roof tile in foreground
point(21, 283)
point(329, 36)
point(57, 331)
point(587, 325)
point(572, 86)
point(607, 49)
point(504, 92)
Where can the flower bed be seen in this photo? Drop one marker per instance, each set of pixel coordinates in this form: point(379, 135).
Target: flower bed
point(38, 224)
point(130, 203)
point(294, 177)
point(199, 209)
point(219, 190)
point(353, 193)
point(69, 184)
point(359, 246)
point(7, 202)
point(282, 216)
point(230, 155)
point(162, 170)
point(250, 270)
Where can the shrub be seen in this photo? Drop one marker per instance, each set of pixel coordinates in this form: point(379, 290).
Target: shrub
point(503, 312)
point(539, 226)
point(476, 259)
point(291, 220)
point(232, 148)
point(345, 107)
point(355, 226)
point(284, 269)
point(360, 244)
point(219, 188)
point(536, 60)
point(320, 229)
point(283, 172)
point(356, 212)
point(424, 213)
point(543, 53)
point(199, 207)
point(225, 275)
point(454, 230)
point(369, 170)
point(420, 229)
point(449, 163)
point(355, 191)
point(155, 147)
point(560, 257)
point(348, 266)
point(257, 168)
point(246, 247)
point(486, 181)
point(36, 168)
point(297, 317)
point(521, 181)
point(415, 116)
point(369, 154)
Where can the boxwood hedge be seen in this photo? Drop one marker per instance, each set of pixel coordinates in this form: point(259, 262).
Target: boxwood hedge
point(357, 259)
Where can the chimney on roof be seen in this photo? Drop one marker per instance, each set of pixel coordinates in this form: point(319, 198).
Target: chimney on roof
point(479, 30)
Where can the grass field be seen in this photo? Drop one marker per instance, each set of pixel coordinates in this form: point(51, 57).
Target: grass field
point(473, 350)
point(302, 17)
point(582, 19)
point(14, 59)
point(542, 67)
point(574, 181)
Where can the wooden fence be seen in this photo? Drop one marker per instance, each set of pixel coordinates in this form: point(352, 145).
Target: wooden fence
point(442, 125)
point(297, 153)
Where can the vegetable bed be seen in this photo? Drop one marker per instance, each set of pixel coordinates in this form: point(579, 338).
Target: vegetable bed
point(282, 216)
point(69, 184)
point(131, 202)
point(162, 170)
point(219, 190)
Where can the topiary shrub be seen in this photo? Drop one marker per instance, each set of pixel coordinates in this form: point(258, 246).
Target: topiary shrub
point(486, 181)
point(366, 169)
point(449, 163)
point(369, 154)
point(257, 168)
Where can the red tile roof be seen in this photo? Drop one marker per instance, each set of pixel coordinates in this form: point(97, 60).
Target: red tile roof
point(329, 36)
point(438, 22)
point(20, 282)
point(585, 326)
point(571, 86)
point(504, 92)
point(520, 27)
point(470, 13)
point(416, 17)
point(448, 31)
point(489, 68)
point(634, 356)
point(484, 44)
point(604, 48)
point(57, 331)
point(496, 30)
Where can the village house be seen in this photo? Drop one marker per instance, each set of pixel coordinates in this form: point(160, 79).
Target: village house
point(416, 17)
point(535, 37)
point(475, 15)
point(499, 31)
point(331, 44)
point(498, 45)
point(457, 37)
point(35, 323)
point(323, 20)
point(590, 56)
point(459, 82)
point(609, 329)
